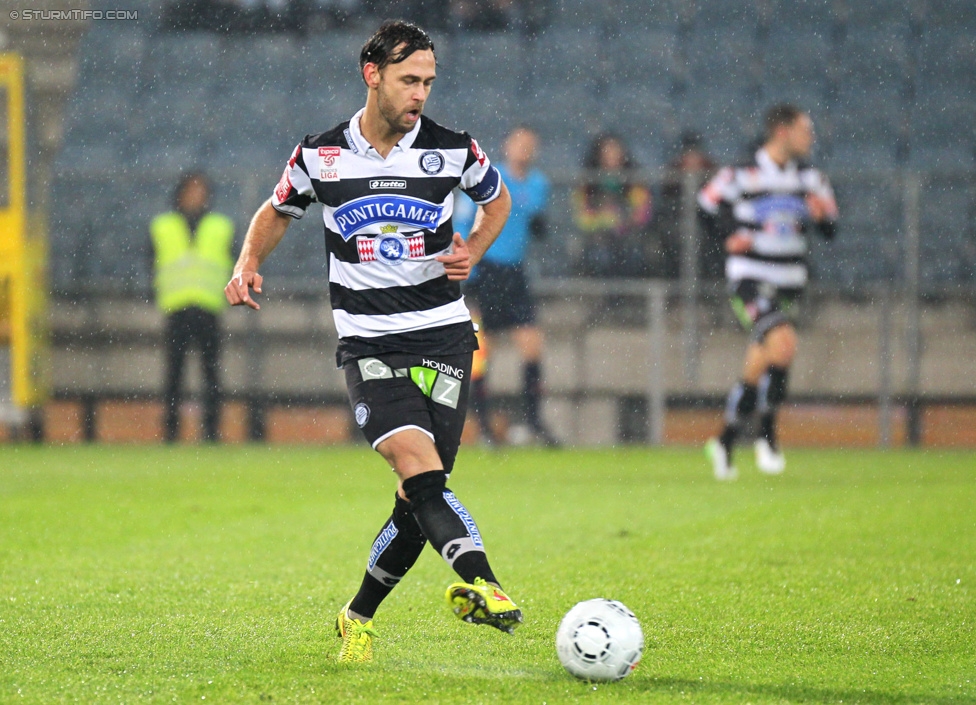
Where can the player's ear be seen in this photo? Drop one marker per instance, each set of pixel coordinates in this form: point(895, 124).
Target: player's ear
point(371, 75)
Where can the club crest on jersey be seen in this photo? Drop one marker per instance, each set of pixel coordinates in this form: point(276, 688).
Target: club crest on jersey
point(329, 163)
point(391, 248)
point(432, 163)
point(361, 213)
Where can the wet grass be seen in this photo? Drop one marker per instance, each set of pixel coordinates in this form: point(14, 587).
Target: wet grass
point(190, 574)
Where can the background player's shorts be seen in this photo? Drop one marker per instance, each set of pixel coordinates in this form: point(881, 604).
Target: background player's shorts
point(503, 296)
point(761, 306)
point(399, 391)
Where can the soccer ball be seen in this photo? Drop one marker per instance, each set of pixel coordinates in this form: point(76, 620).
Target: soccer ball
point(599, 640)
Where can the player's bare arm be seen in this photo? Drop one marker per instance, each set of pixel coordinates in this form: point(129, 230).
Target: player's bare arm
point(267, 228)
point(487, 225)
point(738, 243)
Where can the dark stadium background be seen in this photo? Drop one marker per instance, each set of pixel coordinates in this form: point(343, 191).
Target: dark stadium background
point(118, 109)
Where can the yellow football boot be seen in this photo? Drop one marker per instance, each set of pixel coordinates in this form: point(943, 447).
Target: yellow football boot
point(484, 603)
point(357, 638)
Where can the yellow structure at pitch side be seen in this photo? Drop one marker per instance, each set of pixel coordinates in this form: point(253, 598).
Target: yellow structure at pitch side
point(23, 256)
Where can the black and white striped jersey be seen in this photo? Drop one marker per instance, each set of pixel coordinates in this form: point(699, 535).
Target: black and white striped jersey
point(385, 222)
point(768, 202)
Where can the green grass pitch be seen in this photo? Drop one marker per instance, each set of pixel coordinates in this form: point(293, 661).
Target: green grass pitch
point(195, 574)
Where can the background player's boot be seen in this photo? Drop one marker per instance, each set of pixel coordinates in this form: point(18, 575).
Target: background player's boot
point(722, 466)
point(484, 603)
point(357, 638)
point(768, 459)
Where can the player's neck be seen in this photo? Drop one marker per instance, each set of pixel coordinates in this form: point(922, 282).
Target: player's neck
point(377, 131)
point(778, 153)
point(517, 171)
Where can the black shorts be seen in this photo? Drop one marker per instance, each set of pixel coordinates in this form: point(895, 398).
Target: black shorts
point(503, 296)
point(761, 306)
point(398, 391)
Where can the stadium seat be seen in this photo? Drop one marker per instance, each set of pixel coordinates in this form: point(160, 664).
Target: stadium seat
point(644, 57)
point(795, 58)
point(803, 16)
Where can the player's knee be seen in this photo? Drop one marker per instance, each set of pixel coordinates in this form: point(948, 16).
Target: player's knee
point(421, 488)
point(781, 343)
point(409, 452)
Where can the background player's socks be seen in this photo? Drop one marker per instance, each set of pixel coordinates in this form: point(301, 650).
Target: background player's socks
point(772, 392)
point(767, 427)
point(395, 549)
point(532, 392)
point(447, 525)
point(738, 408)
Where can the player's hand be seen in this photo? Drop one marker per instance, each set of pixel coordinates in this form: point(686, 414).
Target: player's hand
point(738, 244)
point(458, 263)
point(238, 289)
point(818, 207)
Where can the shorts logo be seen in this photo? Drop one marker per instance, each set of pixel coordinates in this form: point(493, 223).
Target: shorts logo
point(362, 414)
point(388, 184)
point(443, 367)
point(432, 163)
point(329, 163)
point(371, 368)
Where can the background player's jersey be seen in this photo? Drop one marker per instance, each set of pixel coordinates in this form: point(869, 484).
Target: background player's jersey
point(385, 222)
point(768, 202)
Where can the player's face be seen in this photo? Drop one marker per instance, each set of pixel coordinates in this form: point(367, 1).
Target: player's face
point(800, 137)
point(403, 88)
point(520, 148)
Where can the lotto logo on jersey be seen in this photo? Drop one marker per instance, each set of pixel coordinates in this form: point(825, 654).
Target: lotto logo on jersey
point(478, 152)
point(329, 163)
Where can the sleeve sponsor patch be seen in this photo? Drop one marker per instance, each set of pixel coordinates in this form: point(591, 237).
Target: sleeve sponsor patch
point(479, 153)
point(283, 189)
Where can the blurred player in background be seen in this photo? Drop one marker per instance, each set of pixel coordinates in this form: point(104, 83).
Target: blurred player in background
point(385, 179)
point(191, 262)
point(499, 283)
point(764, 210)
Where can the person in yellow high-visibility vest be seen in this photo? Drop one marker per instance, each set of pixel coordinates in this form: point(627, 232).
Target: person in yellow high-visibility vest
point(192, 262)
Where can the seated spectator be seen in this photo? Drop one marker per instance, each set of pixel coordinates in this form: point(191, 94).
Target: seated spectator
point(612, 211)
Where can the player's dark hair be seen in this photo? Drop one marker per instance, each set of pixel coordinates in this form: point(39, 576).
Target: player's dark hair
point(781, 115)
point(186, 178)
point(392, 43)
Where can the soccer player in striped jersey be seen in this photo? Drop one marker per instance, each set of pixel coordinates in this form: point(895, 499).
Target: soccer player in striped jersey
point(764, 209)
point(385, 180)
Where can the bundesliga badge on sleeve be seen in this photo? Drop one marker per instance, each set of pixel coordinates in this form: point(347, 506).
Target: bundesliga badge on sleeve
point(329, 163)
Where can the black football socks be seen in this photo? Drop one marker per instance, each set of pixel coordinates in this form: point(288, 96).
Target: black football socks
point(447, 525)
point(395, 549)
point(738, 408)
